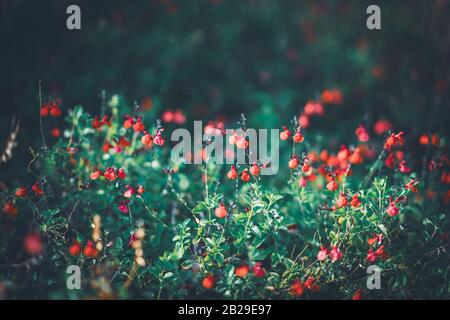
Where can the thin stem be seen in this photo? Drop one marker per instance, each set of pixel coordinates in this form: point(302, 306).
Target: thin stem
point(40, 116)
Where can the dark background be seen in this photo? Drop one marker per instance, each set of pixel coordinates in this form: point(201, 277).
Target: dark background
point(220, 58)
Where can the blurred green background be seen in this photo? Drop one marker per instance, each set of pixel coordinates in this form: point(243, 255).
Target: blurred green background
point(222, 57)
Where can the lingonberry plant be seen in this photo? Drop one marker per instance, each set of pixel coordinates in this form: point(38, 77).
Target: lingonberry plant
point(108, 198)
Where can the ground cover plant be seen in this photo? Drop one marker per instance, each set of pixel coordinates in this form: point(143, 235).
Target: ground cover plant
point(107, 197)
point(87, 177)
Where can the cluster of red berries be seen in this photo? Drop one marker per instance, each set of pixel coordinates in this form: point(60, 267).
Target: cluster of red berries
point(297, 137)
point(342, 202)
point(297, 287)
point(426, 139)
point(393, 209)
point(254, 170)
point(316, 107)
point(104, 122)
point(334, 253)
point(176, 116)
point(135, 123)
point(22, 192)
point(395, 139)
point(89, 251)
point(380, 252)
point(130, 191)
point(110, 174)
point(147, 139)
point(240, 271)
point(118, 146)
point(239, 141)
point(51, 108)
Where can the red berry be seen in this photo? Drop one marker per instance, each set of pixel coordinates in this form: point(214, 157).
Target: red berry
point(335, 254)
point(332, 185)
point(293, 163)
point(21, 192)
point(167, 116)
point(357, 295)
point(255, 170)
point(284, 135)
point(110, 174)
point(342, 201)
point(128, 122)
point(45, 110)
point(242, 271)
point(221, 211)
point(33, 244)
point(245, 176)
point(138, 126)
point(208, 282)
point(55, 111)
point(147, 140)
point(121, 174)
point(75, 249)
point(258, 270)
point(232, 174)
point(355, 202)
point(298, 137)
point(10, 210)
point(90, 251)
point(37, 189)
point(296, 288)
point(56, 132)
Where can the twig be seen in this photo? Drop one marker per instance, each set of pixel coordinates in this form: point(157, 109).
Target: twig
point(40, 116)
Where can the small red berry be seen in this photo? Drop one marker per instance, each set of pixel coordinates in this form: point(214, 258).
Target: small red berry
point(355, 202)
point(258, 270)
point(56, 132)
point(75, 249)
point(37, 189)
point(298, 137)
point(293, 163)
point(128, 122)
point(342, 202)
point(245, 176)
point(232, 174)
point(45, 110)
point(10, 210)
point(21, 192)
point(296, 288)
point(147, 140)
point(335, 254)
point(285, 134)
point(221, 211)
point(138, 126)
point(242, 271)
point(255, 170)
point(332, 185)
point(208, 282)
point(55, 111)
point(33, 244)
point(357, 295)
point(121, 174)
